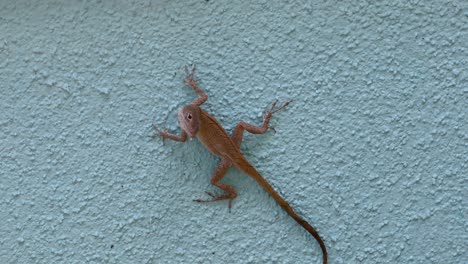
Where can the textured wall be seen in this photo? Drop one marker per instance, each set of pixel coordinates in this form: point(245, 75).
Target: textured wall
point(373, 151)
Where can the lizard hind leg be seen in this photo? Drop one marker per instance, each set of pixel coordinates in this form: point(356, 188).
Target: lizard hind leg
point(229, 192)
point(238, 133)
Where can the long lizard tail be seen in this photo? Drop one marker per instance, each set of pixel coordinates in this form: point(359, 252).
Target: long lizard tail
point(244, 166)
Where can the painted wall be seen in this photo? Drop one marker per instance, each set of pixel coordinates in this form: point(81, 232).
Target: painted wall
point(373, 151)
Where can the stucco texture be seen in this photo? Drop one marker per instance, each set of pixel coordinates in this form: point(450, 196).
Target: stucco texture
point(373, 150)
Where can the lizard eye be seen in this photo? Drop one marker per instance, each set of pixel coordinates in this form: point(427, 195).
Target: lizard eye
point(189, 116)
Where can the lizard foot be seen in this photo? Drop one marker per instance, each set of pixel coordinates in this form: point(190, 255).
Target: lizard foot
point(190, 79)
point(159, 132)
point(215, 198)
point(273, 105)
point(271, 111)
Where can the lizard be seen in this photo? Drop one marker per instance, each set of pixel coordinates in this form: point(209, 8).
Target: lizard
point(195, 122)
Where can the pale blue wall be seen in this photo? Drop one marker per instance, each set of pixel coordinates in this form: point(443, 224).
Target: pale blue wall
point(373, 151)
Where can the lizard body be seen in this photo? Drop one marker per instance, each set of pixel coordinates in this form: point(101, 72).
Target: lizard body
point(195, 122)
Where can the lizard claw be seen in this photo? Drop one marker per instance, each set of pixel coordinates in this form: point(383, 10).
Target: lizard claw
point(273, 105)
point(190, 80)
point(212, 195)
point(215, 198)
point(159, 132)
point(272, 110)
point(272, 128)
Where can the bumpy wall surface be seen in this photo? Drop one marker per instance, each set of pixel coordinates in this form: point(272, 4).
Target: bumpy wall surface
point(373, 150)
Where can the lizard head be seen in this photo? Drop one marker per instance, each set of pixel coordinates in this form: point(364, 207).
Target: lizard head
point(189, 119)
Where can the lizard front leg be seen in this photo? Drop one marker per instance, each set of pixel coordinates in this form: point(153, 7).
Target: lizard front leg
point(164, 134)
point(192, 83)
point(218, 174)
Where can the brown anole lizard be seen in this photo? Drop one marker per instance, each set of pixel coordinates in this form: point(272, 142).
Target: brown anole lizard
point(195, 122)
